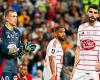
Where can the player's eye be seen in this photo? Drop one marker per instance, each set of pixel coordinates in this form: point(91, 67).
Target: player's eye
point(90, 11)
point(13, 16)
point(95, 12)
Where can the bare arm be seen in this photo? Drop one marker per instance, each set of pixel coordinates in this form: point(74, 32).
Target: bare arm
point(76, 61)
point(52, 67)
point(77, 53)
point(52, 64)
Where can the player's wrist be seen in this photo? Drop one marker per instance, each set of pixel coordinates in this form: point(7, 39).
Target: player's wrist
point(53, 74)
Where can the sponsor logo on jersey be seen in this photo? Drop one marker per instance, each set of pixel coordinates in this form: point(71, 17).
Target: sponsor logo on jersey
point(88, 44)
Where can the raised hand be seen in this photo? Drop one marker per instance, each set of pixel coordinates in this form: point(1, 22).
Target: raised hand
point(29, 46)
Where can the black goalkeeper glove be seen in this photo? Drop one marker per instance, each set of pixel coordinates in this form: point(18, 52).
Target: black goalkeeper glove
point(29, 46)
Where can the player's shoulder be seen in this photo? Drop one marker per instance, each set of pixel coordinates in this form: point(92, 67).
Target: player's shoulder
point(97, 23)
point(53, 42)
point(16, 30)
point(81, 26)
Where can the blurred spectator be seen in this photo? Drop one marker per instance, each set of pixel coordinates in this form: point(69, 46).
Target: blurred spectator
point(23, 17)
point(3, 6)
point(38, 57)
point(37, 21)
point(50, 10)
point(21, 27)
point(30, 12)
point(86, 3)
point(67, 44)
point(23, 73)
point(39, 75)
point(15, 6)
point(53, 3)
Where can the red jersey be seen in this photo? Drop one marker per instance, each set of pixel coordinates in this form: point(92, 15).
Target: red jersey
point(26, 77)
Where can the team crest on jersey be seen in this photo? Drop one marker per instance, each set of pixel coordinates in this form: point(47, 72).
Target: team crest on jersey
point(88, 44)
point(53, 51)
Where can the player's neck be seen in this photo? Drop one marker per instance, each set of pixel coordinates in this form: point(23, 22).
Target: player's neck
point(9, 26)
point(59, 41)
point(92, 23)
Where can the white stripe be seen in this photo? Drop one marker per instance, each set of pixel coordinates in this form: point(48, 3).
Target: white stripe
point(88, 62)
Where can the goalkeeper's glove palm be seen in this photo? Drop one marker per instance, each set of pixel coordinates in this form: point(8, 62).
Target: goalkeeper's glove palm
point(29, 46)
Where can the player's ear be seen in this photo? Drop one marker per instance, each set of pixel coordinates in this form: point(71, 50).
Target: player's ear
point(5, 18)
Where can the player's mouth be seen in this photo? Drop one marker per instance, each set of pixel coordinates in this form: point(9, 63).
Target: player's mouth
point(92, 18)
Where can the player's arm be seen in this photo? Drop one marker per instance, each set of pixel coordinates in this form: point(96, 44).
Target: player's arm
point(76, 56)
point(8, 50)
point(76, 61)
point(52, 64)
point(51, 56)
point(28, 47)
point(52, 67)
point(4, 49)
point(77, 51)
point(98, 66)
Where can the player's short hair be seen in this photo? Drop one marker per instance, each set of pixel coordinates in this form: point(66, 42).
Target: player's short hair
point(55, 29)
point(94, 7)
point(6, 13)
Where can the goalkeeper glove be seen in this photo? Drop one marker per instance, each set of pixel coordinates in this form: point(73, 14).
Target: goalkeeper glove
point(29, 46)
point(12, 49)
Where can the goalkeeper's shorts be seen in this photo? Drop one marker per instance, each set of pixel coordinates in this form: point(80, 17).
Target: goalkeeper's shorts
point(86, 76)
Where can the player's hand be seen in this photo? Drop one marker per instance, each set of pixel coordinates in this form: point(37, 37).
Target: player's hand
point(29, 46)
point(53, 77)
point(71, 74)
point(98, 66)
point(12, 49)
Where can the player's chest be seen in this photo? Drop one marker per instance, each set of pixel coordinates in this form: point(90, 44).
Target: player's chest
point(59, 51)
point(11, 35)
point(89, 39)
point(90, 34)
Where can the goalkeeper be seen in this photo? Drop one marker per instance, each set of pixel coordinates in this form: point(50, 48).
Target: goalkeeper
point(10, 46)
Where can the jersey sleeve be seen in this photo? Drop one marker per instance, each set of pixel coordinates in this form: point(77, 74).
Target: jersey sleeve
point(3, 48)
point(78, 37)
point(51, 49)
point(20, 46)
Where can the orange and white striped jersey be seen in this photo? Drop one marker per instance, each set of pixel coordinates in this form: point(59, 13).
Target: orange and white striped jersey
point(89, 43)
point(55, 49)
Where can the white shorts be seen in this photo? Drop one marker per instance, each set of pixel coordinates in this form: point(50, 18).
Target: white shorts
point(86, 76)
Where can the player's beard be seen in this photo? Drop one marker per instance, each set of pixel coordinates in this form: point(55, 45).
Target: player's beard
point(92, 19)
point(61, 38)
point(22, 75)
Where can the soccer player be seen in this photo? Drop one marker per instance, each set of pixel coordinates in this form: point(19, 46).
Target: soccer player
point(10, 46)
point(87, 56)
point(54, 56)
